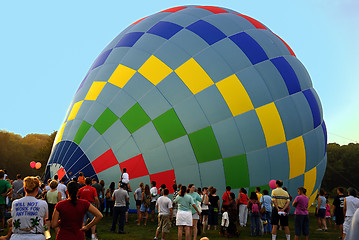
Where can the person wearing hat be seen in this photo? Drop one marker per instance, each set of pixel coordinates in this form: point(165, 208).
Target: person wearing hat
point(120, 198)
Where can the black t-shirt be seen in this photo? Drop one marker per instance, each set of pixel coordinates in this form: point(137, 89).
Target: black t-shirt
point(339, 205)
point(214, 201)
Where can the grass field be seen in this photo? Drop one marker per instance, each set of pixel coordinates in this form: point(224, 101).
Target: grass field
point(134, 232)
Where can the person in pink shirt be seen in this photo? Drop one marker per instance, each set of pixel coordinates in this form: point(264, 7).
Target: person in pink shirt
point(301, 214)
point(328, 214)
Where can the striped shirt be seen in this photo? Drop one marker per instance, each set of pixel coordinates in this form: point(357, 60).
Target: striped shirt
point(280, 196)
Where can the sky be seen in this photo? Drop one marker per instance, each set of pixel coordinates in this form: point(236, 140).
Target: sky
point(47, 47)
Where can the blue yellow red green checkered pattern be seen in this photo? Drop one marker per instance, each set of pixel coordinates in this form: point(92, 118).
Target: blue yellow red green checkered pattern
point(196, 94)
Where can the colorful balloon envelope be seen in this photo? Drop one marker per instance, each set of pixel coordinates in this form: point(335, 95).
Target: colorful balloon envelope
point(195, 94)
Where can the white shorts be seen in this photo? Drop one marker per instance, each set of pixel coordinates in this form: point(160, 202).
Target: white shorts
point(347, 224)
point(184, 218)
point(195, 216)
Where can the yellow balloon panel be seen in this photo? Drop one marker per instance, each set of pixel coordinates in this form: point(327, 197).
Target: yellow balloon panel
point(272, 124)
point(235, 95)
point(193, 75)
point(154, 70)
point(297, 158)
point(75, 110)
point(121, 75)
point(95, 90)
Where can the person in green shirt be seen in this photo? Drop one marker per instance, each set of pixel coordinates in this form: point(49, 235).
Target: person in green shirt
point(5, 190)
point(184, 214)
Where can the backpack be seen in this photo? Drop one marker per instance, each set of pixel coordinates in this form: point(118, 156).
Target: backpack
point(255, 207)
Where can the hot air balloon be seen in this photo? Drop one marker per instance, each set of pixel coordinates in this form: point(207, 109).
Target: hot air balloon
point(195, 94)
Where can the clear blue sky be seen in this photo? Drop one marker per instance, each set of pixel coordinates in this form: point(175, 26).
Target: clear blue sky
point(47, 47)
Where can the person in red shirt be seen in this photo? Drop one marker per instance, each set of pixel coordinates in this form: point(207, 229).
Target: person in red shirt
point(69, 214)
point(90, 194)
point(242, 202)
point(225, 196)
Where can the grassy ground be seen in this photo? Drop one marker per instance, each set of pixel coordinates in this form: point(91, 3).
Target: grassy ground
point(134, 232)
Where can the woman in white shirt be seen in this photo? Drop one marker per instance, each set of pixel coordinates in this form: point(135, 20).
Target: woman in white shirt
point(28, 213)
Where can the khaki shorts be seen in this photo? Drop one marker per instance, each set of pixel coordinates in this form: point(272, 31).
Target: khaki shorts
point(164, 223)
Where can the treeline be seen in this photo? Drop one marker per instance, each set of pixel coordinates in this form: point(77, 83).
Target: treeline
point(17, 152)
point(342, 167)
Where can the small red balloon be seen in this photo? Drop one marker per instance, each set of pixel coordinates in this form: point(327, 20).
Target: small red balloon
point(32, 164)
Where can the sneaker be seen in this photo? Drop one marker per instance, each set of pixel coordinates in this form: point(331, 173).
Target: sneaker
point(319, 229)
point(154, 238)
point(325, 229)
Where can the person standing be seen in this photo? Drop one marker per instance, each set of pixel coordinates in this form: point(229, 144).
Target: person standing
point(225, 196)
point(154, 193)
point(138, 195)
point(354, 229)
point(184, 213)
point(99, 190)
point(321, 209)
point(259, 194)
point(120, 198)
point(253, 206)
point(176, 190)
point(62, 188)
point(165, 214)
point(242, 203)
point(17, 185)
point(351, 204)
point(145, 205)
point(90, 194)
point(53, 197)
point(301, 222)
point(280, 200)
point(72, 212)
point(266, 203)
point(5, 190)
point(109, 202)
point(195, 217)
point(213, 209)
point(205, 209)
point(338, 205)
point(29, 214)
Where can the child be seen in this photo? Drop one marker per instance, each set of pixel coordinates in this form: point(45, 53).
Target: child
point(225, 221)
point(125, 178)
point(8, 235)
point(254, 207)
point(328, 215)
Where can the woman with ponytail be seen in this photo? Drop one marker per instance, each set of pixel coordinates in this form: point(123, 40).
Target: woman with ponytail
point(184, 213)
point(72, 212)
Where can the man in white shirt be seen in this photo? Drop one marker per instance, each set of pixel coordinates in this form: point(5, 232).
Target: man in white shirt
point(120, 197)
point(351, 204)
point(62, 188)
point(154, 193)
point(165, 214)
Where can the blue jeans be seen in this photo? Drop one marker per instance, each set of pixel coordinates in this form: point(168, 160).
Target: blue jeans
point(255, 224)
point(267, 216)
point(118, 212)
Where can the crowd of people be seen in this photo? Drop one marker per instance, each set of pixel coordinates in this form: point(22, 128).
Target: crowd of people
point(76, 208)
